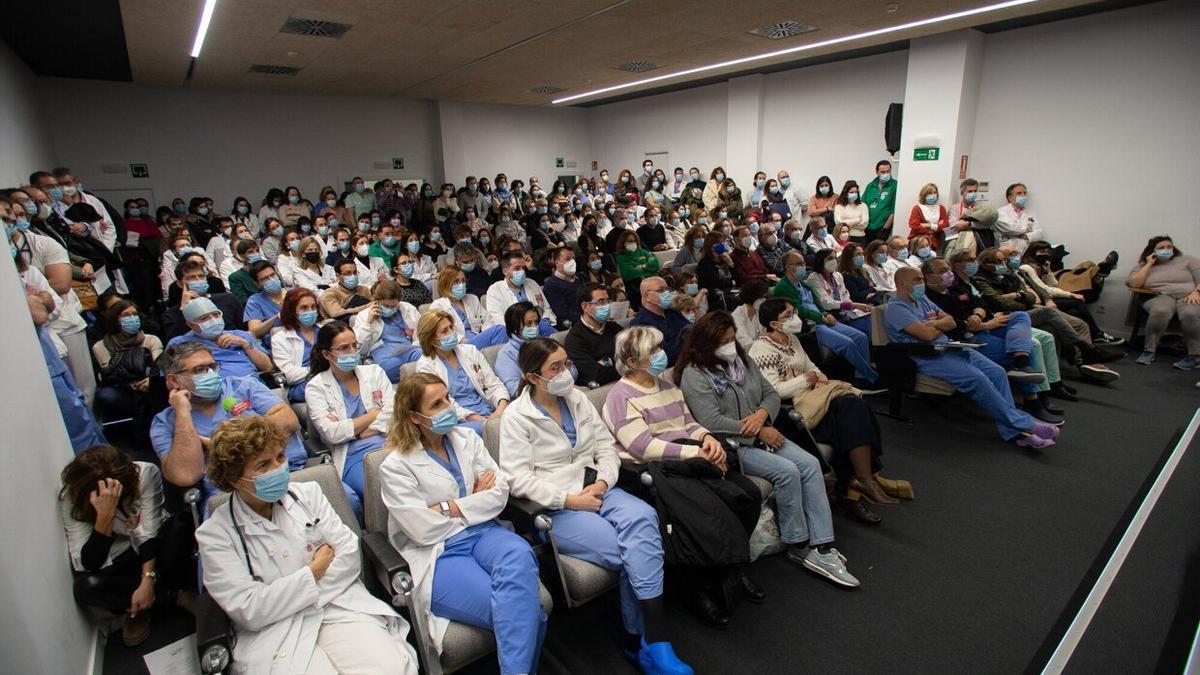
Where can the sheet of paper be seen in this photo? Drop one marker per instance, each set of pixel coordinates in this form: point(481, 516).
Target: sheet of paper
point(619, 310)
point(101, 283)
point(131, 239)
point(177, 658)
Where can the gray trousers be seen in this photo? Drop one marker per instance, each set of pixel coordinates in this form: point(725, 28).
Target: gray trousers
point(1161, 308)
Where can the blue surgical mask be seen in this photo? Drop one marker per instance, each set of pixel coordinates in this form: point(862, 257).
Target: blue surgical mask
point(902, 254)
point(449, 342)
point(596, 264)
point(970, 197)
point(1001, 270)
point(131, 324)
point(924, 253)
point(272, 286)
point(277, 232)
point(198, 287)
point(348, 362)
point(518, 277)
point(135, 212)
point(698, 244)
point(55, 193)
point(880, 258)
point(851, 197)
point(323, 230)
point(859, 261)
point(602, 313)
point(306, 228)
point(294, 245)
point(824, 190)
point(344, 246)
point(918, 291)
point(822, 232)
point(800, 274)
point(971, 268)
point(1014, 262)
point(529, 332)
point(406, 270)
point(254, 257)
point(658, 362)
point(458, 291)
point(208, 385)
point(468, 267)
point(1164, 253)
point(1021, 201)
point(375, 220)
point(388, 312)
point(691, 289)
point(665, 298)
point(350, 282)
point(293, 199)
point(212, 328)
point(308, 319)
point(931, 199)
point(272, 485)
point(775, 190)
point(443, 422)
point(364, 226)
point(243, 210)
point(885, 177)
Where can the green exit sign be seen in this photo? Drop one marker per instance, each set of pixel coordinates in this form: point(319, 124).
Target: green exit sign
point(139, 170)
point(397, 162)
point(558, 162)
point(925, 154)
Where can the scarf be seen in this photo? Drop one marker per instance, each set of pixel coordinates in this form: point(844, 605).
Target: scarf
point(122, 341)
point(727, 375)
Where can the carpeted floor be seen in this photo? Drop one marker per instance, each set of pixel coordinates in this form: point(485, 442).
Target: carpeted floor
point(973, 574)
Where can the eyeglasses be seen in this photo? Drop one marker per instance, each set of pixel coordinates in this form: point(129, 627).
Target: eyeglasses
point(555, 369)
point(345, 349)
point(201, 369)
point(600, 303)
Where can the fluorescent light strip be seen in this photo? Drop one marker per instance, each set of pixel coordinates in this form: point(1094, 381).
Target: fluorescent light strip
point(202, 30)
point(800, 48)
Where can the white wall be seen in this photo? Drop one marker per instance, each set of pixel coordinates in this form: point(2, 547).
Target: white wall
point(24, 136)
point(481, 139)
point(1098, 116)
point(828, 119)
point(224, 143)
point(689, 124)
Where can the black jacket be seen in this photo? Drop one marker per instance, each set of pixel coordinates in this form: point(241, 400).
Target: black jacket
point(700, 513)
point(587, 349)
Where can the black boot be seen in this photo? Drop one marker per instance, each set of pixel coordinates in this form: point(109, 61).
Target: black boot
point(1045, 400)
point(1034, 407)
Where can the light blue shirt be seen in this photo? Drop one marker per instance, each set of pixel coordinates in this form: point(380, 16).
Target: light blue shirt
point(902, 313)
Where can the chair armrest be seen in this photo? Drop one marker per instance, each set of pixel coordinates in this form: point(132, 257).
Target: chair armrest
point(214, 635)
point(382, 555)
point(317, 460)
point(1139, 290)
point(192, 499)
point(394, 574)
point(526, 516)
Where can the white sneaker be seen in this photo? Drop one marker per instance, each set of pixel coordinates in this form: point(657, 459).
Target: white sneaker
point(830, 565)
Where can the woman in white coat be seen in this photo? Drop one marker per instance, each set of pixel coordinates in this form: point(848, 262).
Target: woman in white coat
point(347, 401)
point(291, 346)
point(385, 331)
point(443, 492)
point(311, 271)
point(558, 453)
point(289, 258)
point(465, 310)
point(474, 388)
point(285, 568)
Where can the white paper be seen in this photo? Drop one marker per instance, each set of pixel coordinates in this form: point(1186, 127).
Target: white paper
point(177, 658)
point(618, 310)
point(101, 282)
point(131, 239)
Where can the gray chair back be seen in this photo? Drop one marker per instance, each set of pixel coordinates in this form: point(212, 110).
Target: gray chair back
point(326, 476)
point(560, 337)
point(491, 438)
point(599, 395)
point(490, 353)
point(407, 369)
point(374, 512)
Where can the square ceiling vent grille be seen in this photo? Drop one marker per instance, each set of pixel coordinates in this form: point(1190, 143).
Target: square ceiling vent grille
point(786, 29)
point(315, 27)
point(546, 89)
point(266, 69)
point(638, 66)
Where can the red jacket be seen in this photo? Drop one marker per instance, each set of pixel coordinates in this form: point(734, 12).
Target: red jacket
point(748, 265)
point(917, 225)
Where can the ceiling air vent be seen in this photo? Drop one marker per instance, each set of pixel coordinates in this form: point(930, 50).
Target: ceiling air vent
point(638, 66)
point(787, 29)
point(315, 27)
point(265, 69)
point(546, 89)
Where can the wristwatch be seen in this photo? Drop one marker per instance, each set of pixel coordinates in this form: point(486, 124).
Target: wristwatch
point(445, 508)
point(152, 574)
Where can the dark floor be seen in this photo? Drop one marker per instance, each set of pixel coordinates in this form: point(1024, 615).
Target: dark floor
point(974, 574)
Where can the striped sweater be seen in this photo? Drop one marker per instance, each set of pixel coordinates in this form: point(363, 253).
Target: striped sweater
point(647, 423)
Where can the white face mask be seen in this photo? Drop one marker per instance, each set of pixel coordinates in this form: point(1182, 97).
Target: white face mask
point(794, 324)
point(770, 240)
point(561, 384)
point(727, 352)
point(830, 265)
point(362, 250)
point(631, 247)
point(569, 267)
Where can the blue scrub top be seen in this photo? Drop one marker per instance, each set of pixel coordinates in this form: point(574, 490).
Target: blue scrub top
point(355, 408)
point(260, 308)
point(806, 298)
point(462, 316)
point(901, 313)
point(568, 422)
point(454, 469)
point(395, 331)
point(463, 390)
point(234, 362)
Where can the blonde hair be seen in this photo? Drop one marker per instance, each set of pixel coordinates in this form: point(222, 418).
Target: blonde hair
point(237, 441)
point(926, 189)
point(310, 240)
point(427, 327)
point(635, 343)
point(403, 435)
point(683, 303)
point(445, 279)
point(386, 290)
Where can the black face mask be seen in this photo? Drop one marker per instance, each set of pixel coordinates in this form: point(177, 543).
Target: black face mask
point(312, 256)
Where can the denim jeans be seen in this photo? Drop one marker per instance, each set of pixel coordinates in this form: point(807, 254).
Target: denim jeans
point(800, 499)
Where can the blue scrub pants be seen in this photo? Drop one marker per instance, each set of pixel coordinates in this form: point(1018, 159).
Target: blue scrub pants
point(623, 536)
point(850, 344)
point(488, 577)
point(799, 490)
point(984, 382)
point(391, 357)
point(1001, 343)
point(82, 428)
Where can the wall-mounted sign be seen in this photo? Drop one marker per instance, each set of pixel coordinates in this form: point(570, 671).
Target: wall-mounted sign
point(139, 170)
point(397, 162)
point(925, 154)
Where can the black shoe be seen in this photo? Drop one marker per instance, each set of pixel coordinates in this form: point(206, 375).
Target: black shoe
point(710, 612)
point(1061, 393)
point(752, 591)
point(1065, 387)
point(1045, 400)
point(1109, 263)
point(1039, 413)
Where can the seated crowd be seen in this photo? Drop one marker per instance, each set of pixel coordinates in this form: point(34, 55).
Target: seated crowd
point(643, 347)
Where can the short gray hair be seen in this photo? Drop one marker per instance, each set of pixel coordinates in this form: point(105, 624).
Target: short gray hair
point(172, 357)
point(635, 343)
point(465, 248)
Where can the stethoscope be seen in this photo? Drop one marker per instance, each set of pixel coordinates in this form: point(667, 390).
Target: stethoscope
point(312, 522)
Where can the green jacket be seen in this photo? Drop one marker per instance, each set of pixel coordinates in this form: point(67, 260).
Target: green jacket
point(388, 256)
point(637, 265)
point(880, 201)
point(242, 286)
point(787, 291)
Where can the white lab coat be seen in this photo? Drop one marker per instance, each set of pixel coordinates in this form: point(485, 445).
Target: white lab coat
point(327, 408)
point(1017, 229)
point(368, 276)
point(478, 371)
point(797, 200)
point(218, 252)
point(287, 351)
point(306, 278)
point(166, 271)
point(746, 328)
point(410, 482)
point(277, 619)
point(541, 464)
point(824, 290)
point(500, 297)
point(476, 315)
point(370, 333)
point(286, 267)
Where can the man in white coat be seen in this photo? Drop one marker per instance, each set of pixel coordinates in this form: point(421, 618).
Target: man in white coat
point(1015, 225)
point(516, 287)
point(797, 197)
